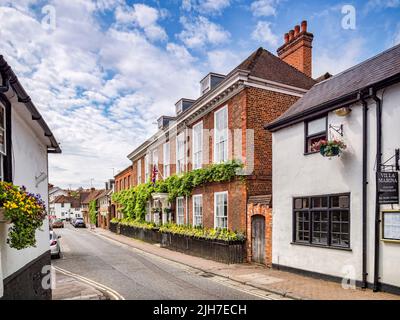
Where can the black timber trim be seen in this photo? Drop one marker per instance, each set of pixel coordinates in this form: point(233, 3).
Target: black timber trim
point(7, 160)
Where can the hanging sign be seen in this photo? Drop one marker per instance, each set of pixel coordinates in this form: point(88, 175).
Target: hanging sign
point(388, 187)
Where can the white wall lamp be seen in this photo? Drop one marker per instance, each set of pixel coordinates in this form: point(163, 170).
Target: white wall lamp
point(343, 112)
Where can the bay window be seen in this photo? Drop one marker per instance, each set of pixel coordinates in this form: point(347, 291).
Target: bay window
point(221, 135)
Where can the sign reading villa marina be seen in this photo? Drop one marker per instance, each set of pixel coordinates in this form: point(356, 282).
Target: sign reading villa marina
point(388, 187)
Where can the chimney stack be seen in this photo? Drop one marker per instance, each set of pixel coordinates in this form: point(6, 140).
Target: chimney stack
point(297, 49)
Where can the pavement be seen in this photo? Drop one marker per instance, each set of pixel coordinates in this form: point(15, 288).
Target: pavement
point(128, 272)
point(69, 288)
point(282, 284)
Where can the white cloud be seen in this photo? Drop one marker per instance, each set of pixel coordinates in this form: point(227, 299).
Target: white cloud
point(223, 61)
point(264, 8)
point(397, 36)
point(264, 34)
point(328, 60)
point(201, 31)
point(99, 89)
point(206, 6)
point(381, 4)
point(143, 16)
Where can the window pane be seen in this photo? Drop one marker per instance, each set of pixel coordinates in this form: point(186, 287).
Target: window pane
point(316, 126)
point(320, 227)
point(302, 226)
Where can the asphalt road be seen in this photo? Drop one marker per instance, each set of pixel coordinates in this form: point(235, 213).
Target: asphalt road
point(134, 274)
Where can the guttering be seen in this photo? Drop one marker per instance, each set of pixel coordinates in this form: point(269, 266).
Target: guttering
point(364, 189)
point(24, 98)
point(378, 168)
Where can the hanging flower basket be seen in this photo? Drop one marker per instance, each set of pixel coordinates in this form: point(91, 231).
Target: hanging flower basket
point(329, 148)
point(25, 211)
point(3, 218)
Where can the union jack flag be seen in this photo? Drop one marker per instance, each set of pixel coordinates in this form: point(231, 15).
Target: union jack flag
point(154, 175)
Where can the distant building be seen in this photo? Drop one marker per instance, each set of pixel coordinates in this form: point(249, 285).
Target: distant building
point(66, 207)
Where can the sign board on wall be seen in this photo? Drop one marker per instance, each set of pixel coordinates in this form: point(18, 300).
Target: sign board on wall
point(388, 187)
point(391, 225)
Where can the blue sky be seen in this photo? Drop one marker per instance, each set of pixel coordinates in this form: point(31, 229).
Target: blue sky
point(109, 68)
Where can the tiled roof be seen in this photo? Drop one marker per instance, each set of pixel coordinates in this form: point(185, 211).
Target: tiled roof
point(263, 64)
point(348, 83)
point(75, 202)
point(93, 195)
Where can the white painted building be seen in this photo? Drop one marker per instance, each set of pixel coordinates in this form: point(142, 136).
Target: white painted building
point(26, 141)
point(324, 209)
point(66, 208)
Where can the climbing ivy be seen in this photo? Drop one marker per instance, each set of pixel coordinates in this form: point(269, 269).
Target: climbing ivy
point(92, 212)
point(133, 201)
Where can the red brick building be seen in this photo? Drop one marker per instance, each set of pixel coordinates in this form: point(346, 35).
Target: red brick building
point(123, 181)
point(227, 122)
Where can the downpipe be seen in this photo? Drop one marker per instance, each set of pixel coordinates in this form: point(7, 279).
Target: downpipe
point(378, 102)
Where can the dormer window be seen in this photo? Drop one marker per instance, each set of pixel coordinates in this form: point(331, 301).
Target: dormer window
point(179, 107)
point(210, 81)
point(205, 84)
point(160, 123)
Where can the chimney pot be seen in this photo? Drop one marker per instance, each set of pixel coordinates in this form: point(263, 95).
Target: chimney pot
point(286, 37)
point(291, 35)
point(296, 31)
point(304, 26)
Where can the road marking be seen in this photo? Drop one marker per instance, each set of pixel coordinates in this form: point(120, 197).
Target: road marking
point(102, 287)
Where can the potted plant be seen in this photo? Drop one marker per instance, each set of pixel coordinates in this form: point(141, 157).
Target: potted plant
point(25, 211)
point(329, 148)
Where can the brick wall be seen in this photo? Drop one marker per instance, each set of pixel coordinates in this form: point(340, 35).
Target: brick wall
point(262, 108)
point(266, 212)
point(124, 176)
point(237, 197)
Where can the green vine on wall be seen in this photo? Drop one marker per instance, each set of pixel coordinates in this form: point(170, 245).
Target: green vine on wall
point(92, 212)
point(133, 201)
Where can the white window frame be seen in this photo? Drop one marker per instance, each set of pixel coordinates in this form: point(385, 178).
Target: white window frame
point(146, 168)
point(180, 158)
point(221, 136)
point(216, 217)
point(197, 145)
point(180, 214)
point(166, 159)
point(196, 213)
point(154, 157)
point(139, 171)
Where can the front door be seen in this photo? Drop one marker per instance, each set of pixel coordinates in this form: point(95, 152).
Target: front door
point(258, 238)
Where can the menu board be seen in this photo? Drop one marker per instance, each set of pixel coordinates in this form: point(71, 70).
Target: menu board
point(391, 225)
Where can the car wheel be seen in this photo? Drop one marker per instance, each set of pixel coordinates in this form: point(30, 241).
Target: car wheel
point(58, 255)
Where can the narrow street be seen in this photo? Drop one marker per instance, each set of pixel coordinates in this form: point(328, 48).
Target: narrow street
point(133, 274)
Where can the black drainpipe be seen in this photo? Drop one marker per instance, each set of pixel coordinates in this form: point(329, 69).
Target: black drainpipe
point(364, 190)
point(378, 168)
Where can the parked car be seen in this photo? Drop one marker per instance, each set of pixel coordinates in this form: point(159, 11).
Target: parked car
point(55, 247)
point(79, 223)
point(58, 223)
point(72, 221)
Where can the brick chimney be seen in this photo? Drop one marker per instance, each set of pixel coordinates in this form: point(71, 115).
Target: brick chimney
point(297, 49)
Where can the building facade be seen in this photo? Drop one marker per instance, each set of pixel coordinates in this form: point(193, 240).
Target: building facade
point(123, 181)
point(66, 208)
point(331, 217)
point(25, 141)
point(225, 123)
